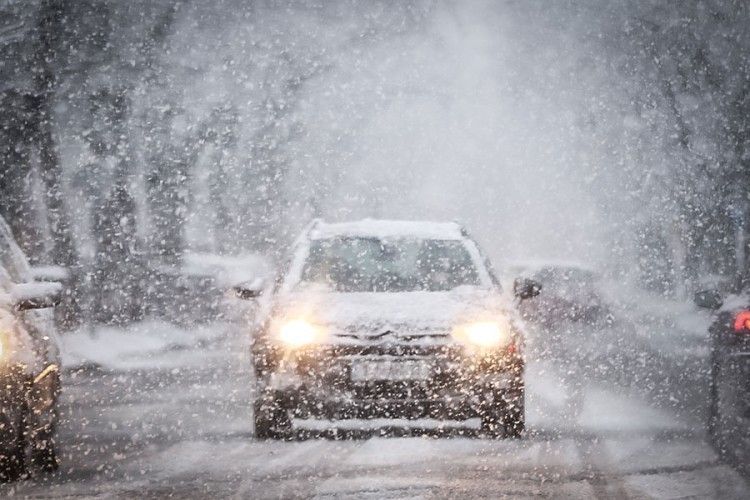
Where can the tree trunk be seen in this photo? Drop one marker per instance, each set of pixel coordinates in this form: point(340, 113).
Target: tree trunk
point(51, 20)
point(63, 251)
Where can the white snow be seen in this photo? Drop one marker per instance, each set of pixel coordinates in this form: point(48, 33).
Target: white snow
point(734, 302)
point(149, 344)
point(36, 291)
point(605, 411)
point(372, 424)
point(386, 229)
point(227, 270)
point(531, 265)
point(648, 451)
point(50, 273)
point(416, 312)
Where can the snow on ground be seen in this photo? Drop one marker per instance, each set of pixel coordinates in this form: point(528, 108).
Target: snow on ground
point(148, 344)
point(554, 402)
point(684, 316)
point(187, 432)
point(673, 327)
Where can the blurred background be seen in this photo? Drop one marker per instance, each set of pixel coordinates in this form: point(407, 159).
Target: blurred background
point(143, 142)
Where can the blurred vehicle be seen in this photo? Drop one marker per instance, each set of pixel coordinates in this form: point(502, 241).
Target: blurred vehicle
point(29, 364)
point(578, 323)
point(388, 319)
point(571, 293)
point(197, 291)
point(729, 390)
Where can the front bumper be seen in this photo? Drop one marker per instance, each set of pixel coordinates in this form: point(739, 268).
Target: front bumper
point(327, 382)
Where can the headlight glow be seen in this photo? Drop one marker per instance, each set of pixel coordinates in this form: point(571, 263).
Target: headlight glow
point(297, 332)
point(483, 334)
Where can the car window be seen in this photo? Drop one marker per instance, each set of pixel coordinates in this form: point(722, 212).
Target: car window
point(11, 257)
point(6, 258)
point(5, 281)
point(376, 265)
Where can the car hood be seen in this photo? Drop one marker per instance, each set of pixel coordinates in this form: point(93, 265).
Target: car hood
point(409, 313)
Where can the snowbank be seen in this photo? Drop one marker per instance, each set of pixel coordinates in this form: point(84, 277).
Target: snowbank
point(149, 344)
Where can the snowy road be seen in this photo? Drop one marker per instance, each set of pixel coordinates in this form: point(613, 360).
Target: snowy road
point(184, 431)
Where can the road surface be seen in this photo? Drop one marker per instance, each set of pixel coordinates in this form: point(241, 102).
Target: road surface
point(182, 429)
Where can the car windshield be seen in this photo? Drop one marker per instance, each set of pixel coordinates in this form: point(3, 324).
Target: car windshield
point(377, 265)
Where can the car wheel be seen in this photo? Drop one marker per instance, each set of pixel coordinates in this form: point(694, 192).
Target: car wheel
point(504, 417)
point(514, 417)
point(271, 419)
point(492, 421)
point(713, 399)
point(44, 454)
point(725, 410)
point(13, 461)
point(44, 450)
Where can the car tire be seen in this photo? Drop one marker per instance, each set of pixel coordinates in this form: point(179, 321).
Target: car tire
point(514, 418)
point(713, 398)
point(44, 447)
point(492, 422)
point(13, 461)
point(724, 421)
point(271, 419)
point(44, 454)
point(504, 418)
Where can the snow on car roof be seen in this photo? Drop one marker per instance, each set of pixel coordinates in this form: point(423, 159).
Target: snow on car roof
point(538, 264)
point(388, 229)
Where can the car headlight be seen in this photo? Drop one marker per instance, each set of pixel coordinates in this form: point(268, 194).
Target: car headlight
point(483, 334)
point(298, 332)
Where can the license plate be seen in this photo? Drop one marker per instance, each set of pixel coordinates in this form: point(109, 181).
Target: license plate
point(363, 371)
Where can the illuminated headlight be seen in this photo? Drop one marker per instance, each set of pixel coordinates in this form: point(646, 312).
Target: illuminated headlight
point(483, 334)
point(298, 332)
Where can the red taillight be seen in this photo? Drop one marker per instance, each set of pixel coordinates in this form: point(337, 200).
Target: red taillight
point(742, 323)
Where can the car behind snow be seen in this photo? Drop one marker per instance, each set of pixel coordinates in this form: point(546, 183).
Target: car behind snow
point(729, 390)
point(388, 319)
point(29, 364)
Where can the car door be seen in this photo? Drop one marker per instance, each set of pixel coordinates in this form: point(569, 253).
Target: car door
point(39, 323)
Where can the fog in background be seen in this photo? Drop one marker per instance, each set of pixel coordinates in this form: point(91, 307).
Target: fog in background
point(474, 111)
point(613, 134)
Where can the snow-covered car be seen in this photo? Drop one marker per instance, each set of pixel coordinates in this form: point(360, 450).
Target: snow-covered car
point(29, 364)
point(388, 319)
point(729, 390)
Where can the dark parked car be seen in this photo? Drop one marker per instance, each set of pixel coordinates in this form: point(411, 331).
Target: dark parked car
point(29, 364)
point(729, 335)
point(388, 319)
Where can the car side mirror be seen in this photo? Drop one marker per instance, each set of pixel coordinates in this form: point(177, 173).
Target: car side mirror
point(250, 289)
point(525, 288)
point(36, 295)
point(708, 299)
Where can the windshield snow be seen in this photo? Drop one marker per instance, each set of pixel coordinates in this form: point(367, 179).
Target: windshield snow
point(377, 265)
